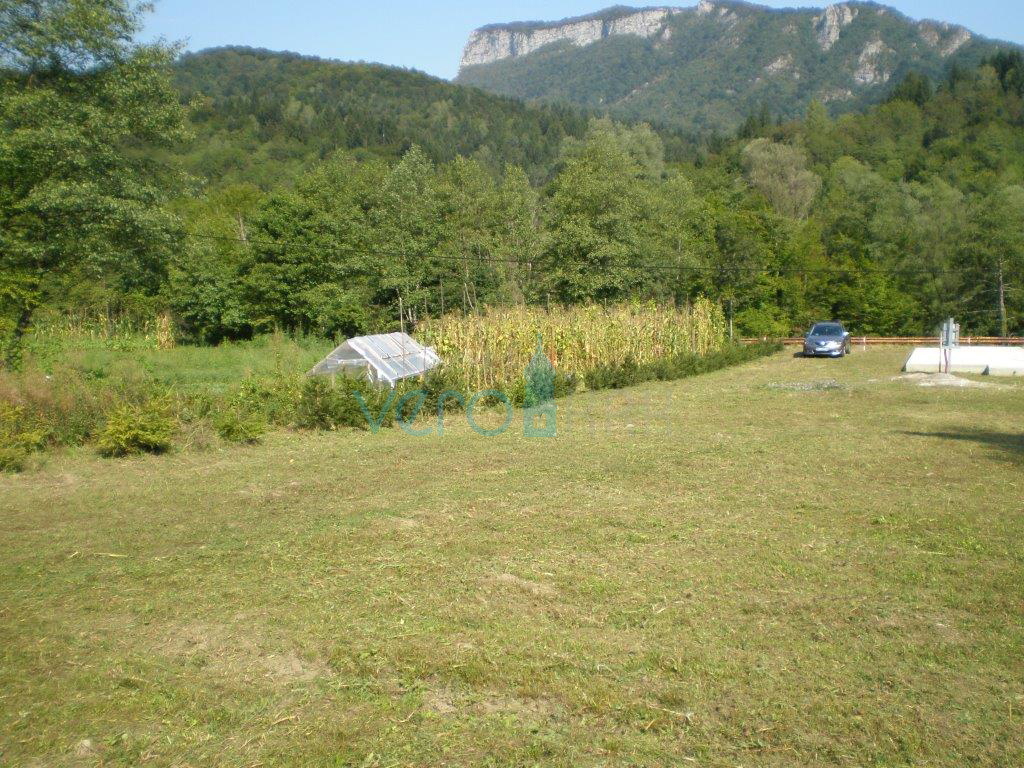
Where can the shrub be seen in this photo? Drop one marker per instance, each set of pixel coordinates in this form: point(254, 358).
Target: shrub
point(438, 381)
point(13, 456)
point(133, 429)
point(331, 403)
point(380, 402)
point(17, 440)
point(565, 384)
point(447, 379)
point(277, 398)
point(238, 427)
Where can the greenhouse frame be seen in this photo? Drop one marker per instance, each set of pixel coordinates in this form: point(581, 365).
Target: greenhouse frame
point(385, 358)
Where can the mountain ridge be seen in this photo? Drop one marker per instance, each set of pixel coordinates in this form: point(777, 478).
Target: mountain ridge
point(626, 60)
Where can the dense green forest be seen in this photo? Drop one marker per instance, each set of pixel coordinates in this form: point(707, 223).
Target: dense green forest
point(890, 220)
point(262, 117)
point(708, 67)
point(256, 206)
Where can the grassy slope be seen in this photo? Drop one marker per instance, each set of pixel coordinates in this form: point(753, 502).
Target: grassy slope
point(708, 570)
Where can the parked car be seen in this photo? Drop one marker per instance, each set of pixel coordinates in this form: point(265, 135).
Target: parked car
point(827, 340)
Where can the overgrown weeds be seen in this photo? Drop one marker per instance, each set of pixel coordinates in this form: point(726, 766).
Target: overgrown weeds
point(18, 440)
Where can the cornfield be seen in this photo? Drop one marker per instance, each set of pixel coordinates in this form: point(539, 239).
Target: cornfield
point(106, 331)
point(494, 348)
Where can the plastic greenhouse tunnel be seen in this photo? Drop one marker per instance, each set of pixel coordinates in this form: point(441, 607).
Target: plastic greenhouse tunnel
point(385, 358)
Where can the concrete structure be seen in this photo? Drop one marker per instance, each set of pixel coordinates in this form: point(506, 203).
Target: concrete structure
point(990, 361)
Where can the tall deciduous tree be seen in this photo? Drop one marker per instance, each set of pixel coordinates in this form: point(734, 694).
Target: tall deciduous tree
point(78, 99)
point(995, 257)
point(408, 235)
point(519, 240)
point(312, 264)
point(596, 216)
point(780, 173)
point(468, 207)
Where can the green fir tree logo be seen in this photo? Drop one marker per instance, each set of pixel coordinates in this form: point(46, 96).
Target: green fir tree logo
point(539, 401)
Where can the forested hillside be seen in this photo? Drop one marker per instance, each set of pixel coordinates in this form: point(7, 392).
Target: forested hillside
point(704, 68)
point(262, 117)
point(890, 220)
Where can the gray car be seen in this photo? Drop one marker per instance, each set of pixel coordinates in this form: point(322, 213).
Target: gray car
point(827, 340)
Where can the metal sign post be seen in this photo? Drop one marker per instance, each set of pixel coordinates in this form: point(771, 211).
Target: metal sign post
point(949, 338)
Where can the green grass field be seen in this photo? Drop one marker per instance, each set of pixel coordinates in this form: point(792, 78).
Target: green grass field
point(185, 367)
point(715, 571)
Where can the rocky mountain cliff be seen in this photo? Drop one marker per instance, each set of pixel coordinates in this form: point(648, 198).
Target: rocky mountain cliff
point(494, 43)
point(705, 67)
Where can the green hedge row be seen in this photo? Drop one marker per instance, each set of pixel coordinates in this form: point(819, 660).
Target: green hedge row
point(629, 373)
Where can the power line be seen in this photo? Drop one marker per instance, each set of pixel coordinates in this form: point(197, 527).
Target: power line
point(978, 311)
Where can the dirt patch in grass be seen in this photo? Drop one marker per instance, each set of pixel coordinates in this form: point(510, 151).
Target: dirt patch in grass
point(448, 702)
point(440, 701)
point(533, 588)
point(288, 666)
point(190, 639)
point(401, 523)
point(943, 380)
point(225, 650)
point(85, 749)
point(526, 708)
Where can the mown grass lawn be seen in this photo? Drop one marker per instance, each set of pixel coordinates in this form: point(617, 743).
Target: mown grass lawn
point(707, 572)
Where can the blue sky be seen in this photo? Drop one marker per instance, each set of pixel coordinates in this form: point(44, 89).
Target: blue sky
point(429, 35)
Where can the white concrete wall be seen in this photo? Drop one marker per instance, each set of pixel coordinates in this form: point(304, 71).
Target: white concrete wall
point(994, 361)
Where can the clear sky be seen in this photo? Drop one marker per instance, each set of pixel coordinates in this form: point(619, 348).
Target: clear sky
point(428, 35)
